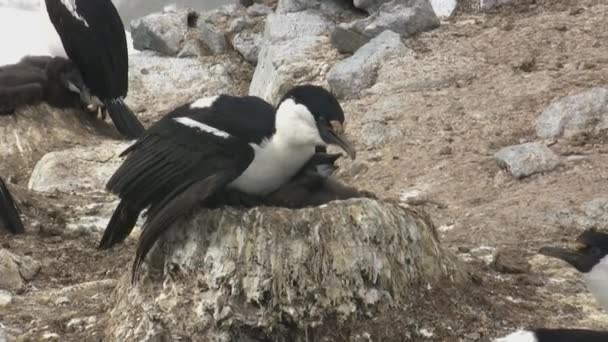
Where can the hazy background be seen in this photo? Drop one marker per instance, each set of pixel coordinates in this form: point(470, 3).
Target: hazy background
point(130, 9)
point(25, 30)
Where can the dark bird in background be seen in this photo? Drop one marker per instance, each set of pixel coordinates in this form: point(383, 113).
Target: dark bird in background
point(590, 257)
point(204, 147)
point(93, 37)
point(56, 81)
point(9, 213)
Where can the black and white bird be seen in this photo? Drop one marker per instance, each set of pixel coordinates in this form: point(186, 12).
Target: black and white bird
point(555, 335)
point(9, 214)
point(93, 37)
point(203, 147)
point(590, 257)
point(35, 79)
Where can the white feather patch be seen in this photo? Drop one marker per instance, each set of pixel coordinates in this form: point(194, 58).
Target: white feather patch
point(597, 282)
point(204, 102)
point(519, 336)
point(202, 127)
point(71, 6)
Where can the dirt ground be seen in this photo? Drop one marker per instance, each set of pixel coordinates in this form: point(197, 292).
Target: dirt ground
point(478, 84)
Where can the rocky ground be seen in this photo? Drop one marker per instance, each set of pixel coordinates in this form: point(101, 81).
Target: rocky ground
point(492, 121)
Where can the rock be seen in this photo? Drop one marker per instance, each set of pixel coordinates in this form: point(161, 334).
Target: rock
point(257, 10)
point(377, 134)
point(163, 83)
point(347, 41)
point(239, 24)
point(295, 51)
point(287, 6)
point(511, 261)
point(583, 113)
point(78, 169)
point(248, 45)
point(160, 32)
point(6, 298)
point(239, 275)
point(490, 4)
point(406, 19)
point(527, 159)
point(444, 8)
point(191, 48)
point(597, 211)
point(369, 5)
point(212, 38)
point(358, 72)
point(288, 26)
point(15, 270)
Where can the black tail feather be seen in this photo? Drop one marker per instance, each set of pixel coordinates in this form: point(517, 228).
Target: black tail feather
point(9, 214)
point(120, 226)
point(124, 119)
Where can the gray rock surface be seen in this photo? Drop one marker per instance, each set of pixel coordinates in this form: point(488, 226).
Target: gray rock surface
point(403, 17)
point(257, 10)
point(358, 72)
point(490, 4)
point(160, 32)
point(287, 26)
point(212, 38)
point(191, 48)
point(527, 159)
point(248, 45)
point(287, 6)
point(596, 210)
point(15, 270)
point(369, 5)
point(294, 50)
point(377, 134)
point(347, 41)
point(240, 274)
point(78, 169)
point(583, 113)
point(163, 82)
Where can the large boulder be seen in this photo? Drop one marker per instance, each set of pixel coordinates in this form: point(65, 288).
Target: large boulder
point(163, 83)
point(295, 50)
point(160, 32)
point(79, 169)
point(358, 72)
point(280, 274)
point(582, 113)
point(403, 17)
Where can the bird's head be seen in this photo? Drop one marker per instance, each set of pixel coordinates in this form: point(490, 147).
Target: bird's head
point(316, 106)
point(65, 72)
point(591, 247)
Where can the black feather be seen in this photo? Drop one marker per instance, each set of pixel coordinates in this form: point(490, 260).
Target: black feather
point(9, 213)
point(124, 119)
point(121, 224)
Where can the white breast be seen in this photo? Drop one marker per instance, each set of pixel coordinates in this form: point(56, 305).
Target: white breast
point(273, 165)
point(597, 282)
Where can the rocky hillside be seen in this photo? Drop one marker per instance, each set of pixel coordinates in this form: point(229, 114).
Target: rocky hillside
point(490, 116)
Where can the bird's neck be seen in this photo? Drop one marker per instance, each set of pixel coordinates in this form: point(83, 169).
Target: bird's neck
point(295, 126)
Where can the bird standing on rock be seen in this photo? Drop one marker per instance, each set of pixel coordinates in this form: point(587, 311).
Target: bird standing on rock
point(93, 37)
point(204, 147)
point(9, 214)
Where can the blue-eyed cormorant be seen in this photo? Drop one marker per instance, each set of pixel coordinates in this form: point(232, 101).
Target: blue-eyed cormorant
point(9, 214)
point(201, 148)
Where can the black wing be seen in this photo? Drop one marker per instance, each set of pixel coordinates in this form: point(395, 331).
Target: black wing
point(170, 169)
point(98, 48)
point(9, 214)
point(248, 117)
